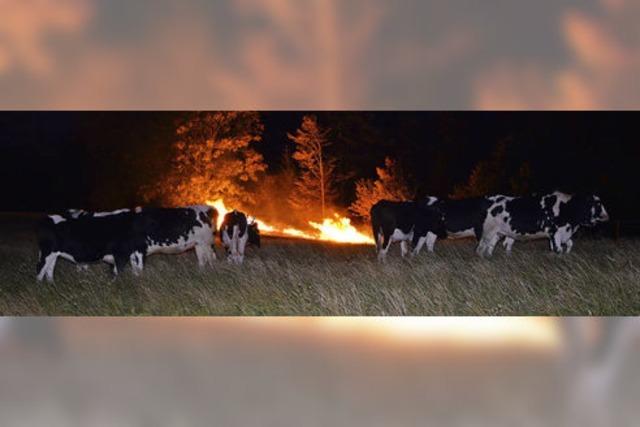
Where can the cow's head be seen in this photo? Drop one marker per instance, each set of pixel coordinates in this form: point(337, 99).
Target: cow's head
point(254, 234)
point(588, 210)
point(597, 212)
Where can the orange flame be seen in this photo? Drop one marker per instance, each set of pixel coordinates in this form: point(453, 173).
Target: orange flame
point(338, 229)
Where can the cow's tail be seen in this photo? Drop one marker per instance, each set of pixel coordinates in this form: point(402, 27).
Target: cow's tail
point(46, 237)
point(378, 234)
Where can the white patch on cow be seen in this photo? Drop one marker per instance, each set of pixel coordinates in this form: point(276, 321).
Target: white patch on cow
point(429, 239)
point(431, 200)
point(57, 219)
point(109, 213)
point(561, 198)
point(397, 236)
point(66, 256)
point(109, 259)
point(563, 236)
point(199, 237)
point(50, 264)
point(48, 267)
point(461, 234)
point(235, 244)
point(75, 213)
point(137, 263)
point(508, 244)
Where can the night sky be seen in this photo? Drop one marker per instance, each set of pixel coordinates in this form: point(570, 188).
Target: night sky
point(54, 160)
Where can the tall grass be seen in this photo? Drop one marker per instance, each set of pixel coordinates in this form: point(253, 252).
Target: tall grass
point(294, 277)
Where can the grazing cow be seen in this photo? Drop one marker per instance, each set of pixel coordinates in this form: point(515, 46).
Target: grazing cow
point(402, 222)
point(120, 236)
point(176, 230)
point(556, 216)
point(87, 240)
point(235, 232)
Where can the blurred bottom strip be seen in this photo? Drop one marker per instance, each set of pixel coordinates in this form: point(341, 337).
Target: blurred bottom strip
point(319, 371)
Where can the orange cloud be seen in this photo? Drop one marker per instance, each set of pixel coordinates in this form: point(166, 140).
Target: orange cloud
point(27, 25)
point(599, 73)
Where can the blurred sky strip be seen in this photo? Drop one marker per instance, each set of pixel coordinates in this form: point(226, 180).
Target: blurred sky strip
point(319, 54)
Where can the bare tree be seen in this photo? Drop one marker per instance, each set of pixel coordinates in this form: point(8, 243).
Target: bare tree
point(315, 184)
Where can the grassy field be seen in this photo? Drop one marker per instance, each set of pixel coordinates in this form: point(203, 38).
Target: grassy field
point(294, 277)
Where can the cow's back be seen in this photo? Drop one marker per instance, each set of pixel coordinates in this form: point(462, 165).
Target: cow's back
point(175, 228)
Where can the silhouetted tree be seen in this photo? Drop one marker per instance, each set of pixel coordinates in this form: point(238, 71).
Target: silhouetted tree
point(503, 172)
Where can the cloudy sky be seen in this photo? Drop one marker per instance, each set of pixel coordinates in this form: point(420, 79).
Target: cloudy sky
point(290, 54)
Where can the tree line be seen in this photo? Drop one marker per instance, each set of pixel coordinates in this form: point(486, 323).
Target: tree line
point(345, 161)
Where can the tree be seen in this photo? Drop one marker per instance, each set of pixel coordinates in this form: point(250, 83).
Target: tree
point(504, 172)
point(213, 157)
point(315, 184)
point(389, 185)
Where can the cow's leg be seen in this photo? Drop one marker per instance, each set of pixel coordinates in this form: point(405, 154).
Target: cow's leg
point(508, 244)
point(569, 245)
point(242, 244)
point(386, 243)
point(137, 262)
point(234, 244)
point(487, 243)
point(483, 244)
point(120, 260)
point(418, 246)
point(492, 244)
point(205, 255)
point(47, 264)
point(557, 242)
point(403, 248)
point(431, 240)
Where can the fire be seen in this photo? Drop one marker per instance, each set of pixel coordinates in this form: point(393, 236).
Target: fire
point(340, 230)
point(221, 208)
point(337, 229)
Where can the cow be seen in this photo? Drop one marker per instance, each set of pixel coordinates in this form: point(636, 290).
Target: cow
point(86, 239)
point(556, 216)
point(124, 235)
point(462, 217)
point(172, 230)
point(235, 232)
point(409, 221)
point(176, 230)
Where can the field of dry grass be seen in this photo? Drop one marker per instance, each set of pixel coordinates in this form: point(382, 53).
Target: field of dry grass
point(295, 277)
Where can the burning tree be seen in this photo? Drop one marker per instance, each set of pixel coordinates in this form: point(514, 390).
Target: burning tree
point(315, 184)
point(389, 185)
point(214, 158)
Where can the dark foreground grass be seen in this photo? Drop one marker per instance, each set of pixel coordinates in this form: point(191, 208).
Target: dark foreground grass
point(293, 277)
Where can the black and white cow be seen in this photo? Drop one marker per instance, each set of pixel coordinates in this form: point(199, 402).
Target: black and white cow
point(86, 239)
point(556, 216)
point(462, 217)
point(176, 230)
point(415, 222)
point(124, 235)
point(235, 232)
